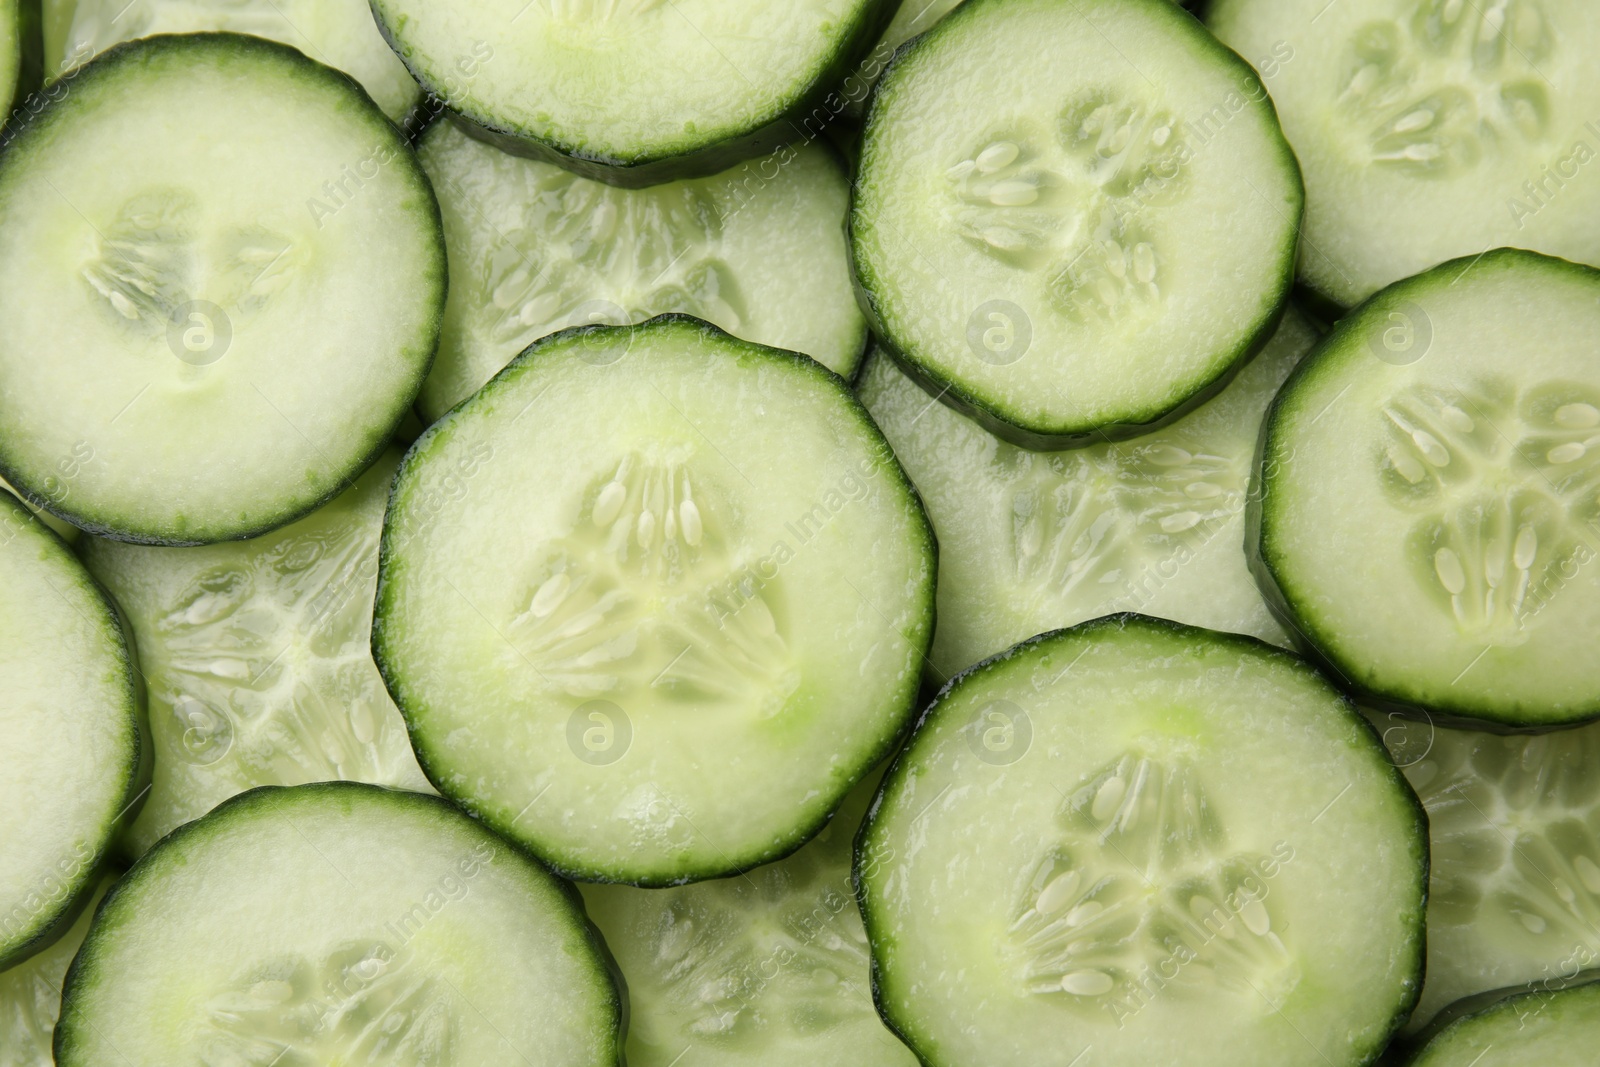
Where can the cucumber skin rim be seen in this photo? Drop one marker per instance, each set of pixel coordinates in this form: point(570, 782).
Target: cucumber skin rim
point(1307, 637)
point(764, 136)
point(50, 926)
point(1069, 435)
point(64, 1032)
point(1412, 1052)
point(1120, 621)
point(889, 463)
point(14, 138)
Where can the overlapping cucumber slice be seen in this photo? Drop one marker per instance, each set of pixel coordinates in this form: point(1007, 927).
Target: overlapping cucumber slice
point(30, 993)
point(1551, 1027)
point(758, 250)
point(256, 659)
point(1033, 541)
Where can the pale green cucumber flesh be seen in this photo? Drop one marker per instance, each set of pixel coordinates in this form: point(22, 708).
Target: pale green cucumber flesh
point(1034, 541)
point(1551, 1028)
point(627, 628)
point(1133, 834)
point(758, 251)
point(1035, 217)
point(30, 993)
point(339, 923)
point(257, 661)
point(1437, 455)
point(1430, 129)
point(218, 342)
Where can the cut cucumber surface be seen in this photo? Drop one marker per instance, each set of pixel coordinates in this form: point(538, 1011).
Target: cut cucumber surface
point(627, 628)
point(30, 993)
point(1514, 825)
point(768, 967)
point(1159, 843)
point(65, 530)
point(257, 660)
point(1032, 541)
point(1431, 493)
point(1430, 129)
point(340, 33)
point(1552, 1029)
point(339, 923)
point(73, 759)
point(632, 92)
point(758, 250)
point(225, 336)
point(1036, 220)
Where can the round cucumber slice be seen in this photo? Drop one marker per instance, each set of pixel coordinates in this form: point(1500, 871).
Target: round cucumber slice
point(758, 250)
point(73, 761)
point(1557, 1028)
point(339, 923)
point(223, 338)
point(1430, 129)
point(1159, 843)
point(30, 993)
point(1033, 541)
point(1036, 217)
point(1430, 493)
point(1514, 830)
point(256, 659)
point(632, 92)
point(21, 47)
point(340, 33)
point(769, 967)
point(627, 628)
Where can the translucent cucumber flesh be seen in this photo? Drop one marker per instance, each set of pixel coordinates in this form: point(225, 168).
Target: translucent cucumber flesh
point(257, 662)
point(1031, 541)
point(1161, 866)
point(759, 251)
point(30, 994)
point(1551, 1028)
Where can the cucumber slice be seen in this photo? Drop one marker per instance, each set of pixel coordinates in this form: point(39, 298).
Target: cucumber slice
point(30, 993)
point(1033, 541)
point(1035, 220)
point(1557, 1028)
point(21, 51)
point(770, 967)
point(1430, 129)
point(216, 342)
point(73, 760)
point(256, 659)
point(339, 923)
point(632, 92)
point(647, 643)
point(1430, 493)
point(758, 250)
point(340, 33)
point(64, 530)
point(1514, 825)
point(1159, 843)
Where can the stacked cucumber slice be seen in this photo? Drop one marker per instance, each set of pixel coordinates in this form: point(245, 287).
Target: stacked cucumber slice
point(455, 453)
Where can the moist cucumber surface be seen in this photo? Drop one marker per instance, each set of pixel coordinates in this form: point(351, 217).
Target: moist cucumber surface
point(758, 250)
point(644, 640)
point(1431, 129)
point(257, 660)
point(73, 761)
point(767, 967)
point(30, 993)
point(631, 91)
point(340, 33)
point(1553, 1029)
point(1430, 493)
point(1154, 842)
point(1033, 541)
point(1514, 830)
point(339, 923)
point(1035, 220)
point(225, 336)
